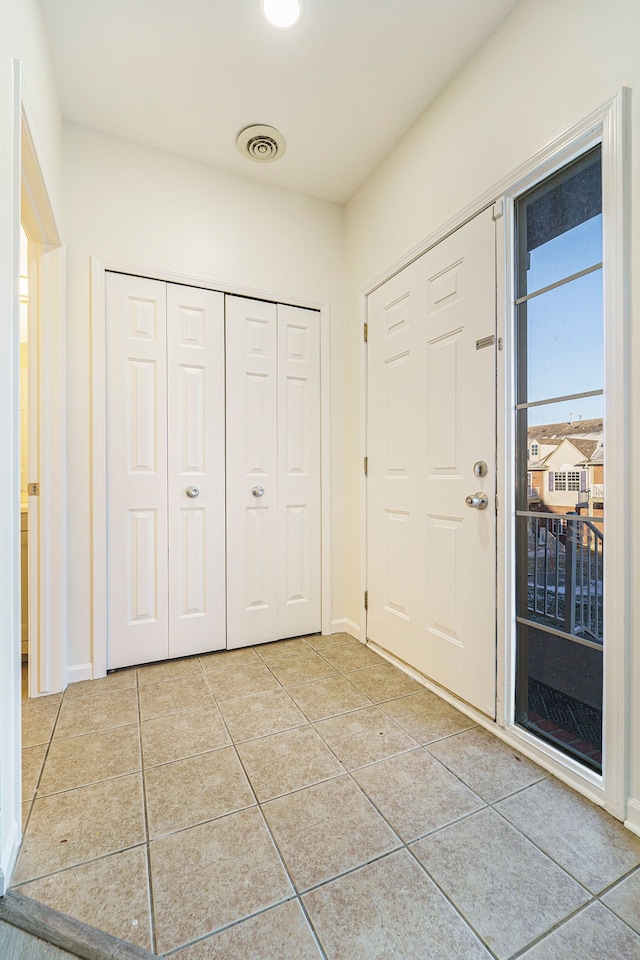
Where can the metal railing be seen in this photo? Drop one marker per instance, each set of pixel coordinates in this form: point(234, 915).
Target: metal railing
point(565, 576)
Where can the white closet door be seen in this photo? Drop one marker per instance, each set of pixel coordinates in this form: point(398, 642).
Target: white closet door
point(252, 472)
point(136, 470)
point(299, 503)
point(196, 474)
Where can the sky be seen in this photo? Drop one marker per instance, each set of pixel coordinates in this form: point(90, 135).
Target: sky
point(565, 325)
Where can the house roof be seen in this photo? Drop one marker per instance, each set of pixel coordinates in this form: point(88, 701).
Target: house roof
point(555, 433)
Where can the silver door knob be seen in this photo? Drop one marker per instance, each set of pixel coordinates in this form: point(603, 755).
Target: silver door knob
point(192, 492)
point(477, 500)
point(258, 491)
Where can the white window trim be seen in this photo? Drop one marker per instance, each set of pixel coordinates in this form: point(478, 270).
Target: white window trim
point(608, 126)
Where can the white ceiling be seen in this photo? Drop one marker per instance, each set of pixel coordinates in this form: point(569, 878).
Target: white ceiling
point(188, 75)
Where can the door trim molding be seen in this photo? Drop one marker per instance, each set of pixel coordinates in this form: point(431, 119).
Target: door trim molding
point(607, 124)
point(99, 269)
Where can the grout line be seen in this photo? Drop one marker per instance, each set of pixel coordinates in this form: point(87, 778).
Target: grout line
point(147, 845)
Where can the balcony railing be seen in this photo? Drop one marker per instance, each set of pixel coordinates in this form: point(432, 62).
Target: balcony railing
point(565, 576)
point(533, 493)
point(597, 491)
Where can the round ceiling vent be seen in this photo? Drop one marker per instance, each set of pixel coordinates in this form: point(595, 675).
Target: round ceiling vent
point(261, 143)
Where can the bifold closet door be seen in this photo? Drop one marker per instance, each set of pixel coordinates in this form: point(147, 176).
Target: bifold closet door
point(273, 471)
point(196, 475)
point(165, 470)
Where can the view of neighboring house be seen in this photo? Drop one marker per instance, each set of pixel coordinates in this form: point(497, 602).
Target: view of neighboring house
point(565, 467)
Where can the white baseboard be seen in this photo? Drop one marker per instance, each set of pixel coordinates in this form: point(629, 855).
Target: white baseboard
point(346, 626)
point(633, 816)
point(79, 671)
point(9, 857)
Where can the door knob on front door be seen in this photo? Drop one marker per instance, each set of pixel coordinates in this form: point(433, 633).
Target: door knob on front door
point(258, 491)
point(477, 500)
point(192, 492)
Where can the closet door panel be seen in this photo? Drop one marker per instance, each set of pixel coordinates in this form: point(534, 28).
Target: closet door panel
point(299, 500)
point(252, 472)
point(196, 473)
point(136, 470)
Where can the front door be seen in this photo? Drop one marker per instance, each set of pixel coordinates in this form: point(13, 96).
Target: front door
point(431, 509)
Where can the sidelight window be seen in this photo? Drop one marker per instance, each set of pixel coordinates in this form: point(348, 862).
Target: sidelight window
point(559, 413)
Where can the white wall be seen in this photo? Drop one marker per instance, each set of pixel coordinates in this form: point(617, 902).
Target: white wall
point(548, 65)
point(22, 36)
point(131, 203)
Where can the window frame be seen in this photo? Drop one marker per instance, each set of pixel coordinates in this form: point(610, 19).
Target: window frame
point(606, 126)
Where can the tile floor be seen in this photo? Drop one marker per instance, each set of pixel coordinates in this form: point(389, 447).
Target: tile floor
point(306, 799)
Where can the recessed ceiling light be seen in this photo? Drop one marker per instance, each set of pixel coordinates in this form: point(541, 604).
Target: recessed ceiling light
point(282, 13)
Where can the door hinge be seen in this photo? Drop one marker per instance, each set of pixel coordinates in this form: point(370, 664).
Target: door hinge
point(365, 332)
point(498, 210)
point(366, 466)
point(366, 599)
point(33, 489)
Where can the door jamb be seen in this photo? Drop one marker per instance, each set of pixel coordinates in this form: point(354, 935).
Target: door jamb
point(99, 268)
point(47, 512)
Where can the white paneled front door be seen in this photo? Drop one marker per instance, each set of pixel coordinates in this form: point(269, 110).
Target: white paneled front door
point(273, 471)
point(431, 558)
point(165, 434)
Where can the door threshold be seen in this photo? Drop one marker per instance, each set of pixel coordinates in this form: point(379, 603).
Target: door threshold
point(77, 938)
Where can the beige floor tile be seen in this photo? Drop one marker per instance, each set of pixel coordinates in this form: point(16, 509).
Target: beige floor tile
point(241, 681)
point(595, 933)
point(71, 828)
point(173, 696)
point(327, 829)
point(261, 714)
point(389, 909)
point(624, 900)
point(187, 792)
point(26, 810)
point(347, 657)
point(582, 838)
point(427, 717)
point(384, 682)
point(281, 933)
point(97, 756)
point(212, 875)
point(185, 669)
point(319, 640)
point(416, 794)
point(287, 761)
point(363, 737)
point(32, 760)
point(301, 669)
point(491, 768)
point(90, 714)
point(211, 662)
point(508, 890)
point(38, 719)
point(121, 680)
point(327, 698)
point(179, 735)
point(111, 894)
point(282, 648)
